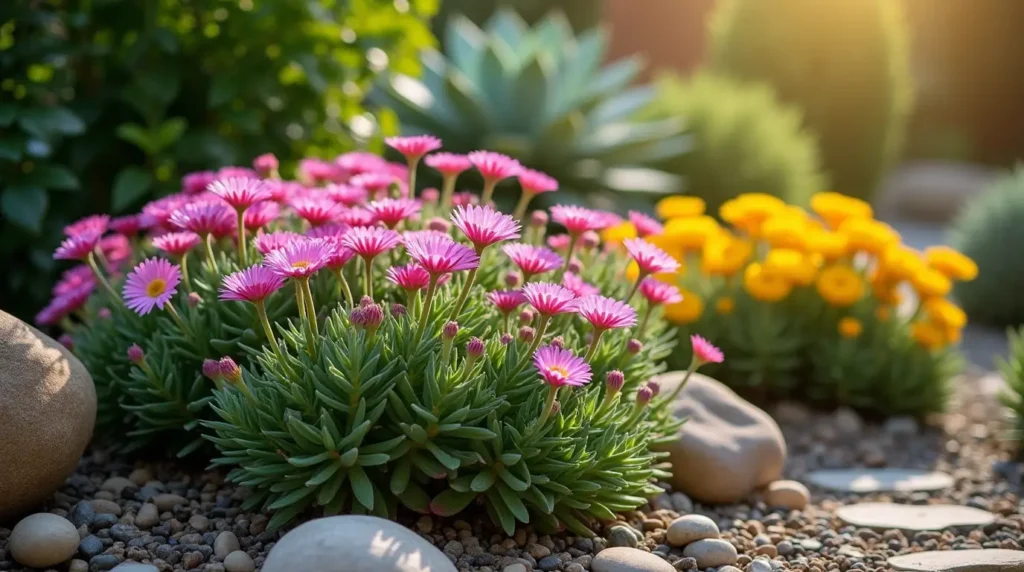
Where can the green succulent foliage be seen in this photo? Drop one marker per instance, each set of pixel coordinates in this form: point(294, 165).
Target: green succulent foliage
point(844, 64)
point(1012, 370)
point(985, 231)
point(744, 140)
point(541, 95)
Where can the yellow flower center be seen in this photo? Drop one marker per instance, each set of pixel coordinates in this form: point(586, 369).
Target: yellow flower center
point(559, 370)
point(156, 287)
point(300, 264)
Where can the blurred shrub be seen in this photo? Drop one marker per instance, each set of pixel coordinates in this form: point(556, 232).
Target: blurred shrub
point(582, 14)
point(105, 103)
point(744, 140)
point(844, 63)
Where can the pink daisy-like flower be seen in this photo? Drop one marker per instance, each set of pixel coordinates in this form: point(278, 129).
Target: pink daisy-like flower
point(316, 171)
point(317, 210)
point(506, 300)
point(448, 164)
point(177, 243)
point(550, 299)
point(253, 284)
point(241, 193)
point(151, 285)
point(339, 254)
point(370, 241)
point(265, 164)
point(409, 277)
point(300, 259)
point(129, 225)
point(74, 278)
point(606, 313)
point(77, 246)
point(424, 234)
point(236, 172)
point(92, 223)
point(205, 217)
point(645, 225)
point(283, 191)
point(440, 254)
point(356, 162)
point(464, 198)
point(484, 226)
point(579, 287)
point(329, 230)
point(348, 195)
point(271, 241)
point(559, 242)
point(578, 220)
point(532, 259)
point(357, 217)
point(260, 215)
point(63, 304)
point(494, 166)
point(195, 183)
point(116, 249)
point(375, 182)
point(658, 292)
point(393, 211)
point(536, 182)
point(704, 351)
point(160, 210)
point(650, 258)
point(559, 367)
point(414, 147)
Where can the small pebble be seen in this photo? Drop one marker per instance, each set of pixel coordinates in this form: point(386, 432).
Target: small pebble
point(141, 476)
point(711, 552)
point(239, 561)
point(165, 502)
point(691, 528)
point(622, 536)
point(102, 506)
point(42, 540)
point(148, 516)
point(225, 544)
point(789, 495)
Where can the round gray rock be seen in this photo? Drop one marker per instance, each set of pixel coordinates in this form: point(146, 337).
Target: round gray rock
point(880, 480)
point(622, 559)
point(355, 543)
point(979, 560)
point(225, 543)
point(711, 552)
point(134, 567)
point(43, 540)
point(885, 516)
point(239, 561)
point(691, 528)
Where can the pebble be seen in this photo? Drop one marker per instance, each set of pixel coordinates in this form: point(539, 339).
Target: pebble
point(148, 516)
point(789, 495)
point(847, 423)
point(166, 502)
point(622, 536)
point(239, 561)
point(622, 559)
point(116, 485)
point(691, 528)
point(879, 480)
point(758, 566)
point(90, 546)
point(82, 514)
point(141, 476)
point(538, 551)
point(103, 520)
point(192, 560)
point(885, 516)
point(549, 563)
point(681, 503)
point(124, 532)
point(103, 506)
point(199, 522)
point(978, 560)
point(42, 540)
point(103, 562)
point(225, 544)
point(516, 567)
point(135, 567)
point(711, 552)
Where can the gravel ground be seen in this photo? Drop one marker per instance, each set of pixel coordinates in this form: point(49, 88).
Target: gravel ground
point(193, 530)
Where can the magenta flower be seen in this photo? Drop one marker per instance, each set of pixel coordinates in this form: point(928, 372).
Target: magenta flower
point(422, 234)
point(151, 285)
point(393, 211)
point(236, 172)
point(506, 300)
point(448, 164)
point(240, 192)
point(315, 171)
point(284, 191)
point(78, 246)
point(356, 162)
point(578, 220)
point(271, 241)
point(532, 259)
point(357, 217)
point(128, 225)
point(253, 284)
point(375, 182)
point(645, 225)
point(536, 182)
point(414, 147)
point(195, 183)
point(550, 299)
point(300, 259)
point(116, 249)
point(658, 292)
point(92, 223)
point(579, 287)
point(177, 243)
point(265, 164)
point(558, 367)
point(606, 313)
point(484, 226)
point(65, 303)
point(205, 218)
point(704, 351)
point(316, 210)
point(348, 195)
point(260, 215)
point(650, 258)
point(464, 198)
point(339, 255)
point(494, 166)
point(559, 242)
point(438, 254)
point(409, 277)
point(74, 278)
point(159, 211)
point(331, 229)
point(369, 241)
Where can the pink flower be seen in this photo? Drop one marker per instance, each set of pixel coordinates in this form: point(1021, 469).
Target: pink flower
point(195, 183)
point(414, 147)
point(578, 286)
point(77, 246)
point(357, 217)
point(317, 171)
point(241, 193)
point(116, 249)
point(423, 234)
point(535, 182)
point(331, 229)
point(284, 191)
point(265, 164)
point(317, 210)
point(127, 225)
point(650, 258)
point(550, 299)
point(464, 198)
point(177, 243)
point(369, 241)
point(271, 241)
point(254, 284)
point(532, 259)
point(409, 277)
point(339, 255)
point(484, 226)
point(160, 210)
point(348, 195)
point(393, 211)
point(356, 162)
point(260, 215)
point(440, 254)
point(205, 217)
point(578, 220)
point(300, 259)
point(91, 223)
point(64, 304)
point(559, 242)
point(151, 285)
point(74, 278)
point(448, 164)
point(375, 182)
point(494, 166)
point(606, 313)
point(558, 367)
point(704, 351)
point(236, 172)
point(658, 292)
point(506, 300)
point(645, 225)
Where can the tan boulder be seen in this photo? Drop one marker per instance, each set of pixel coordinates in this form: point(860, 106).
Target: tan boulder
point(727, 448)
point(48, 407)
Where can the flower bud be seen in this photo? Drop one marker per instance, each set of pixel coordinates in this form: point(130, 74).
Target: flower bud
point(451, 329)
point(655, 388)
point(373, 315)
point(614, 380)
point(475, 347)
point(439, 224)
point(398, 310)
point(526, 334)
point(634, 346)
point(104, 313)
point(575, 266)
point(558, 342)
point(230, 370)
point(66, 341)
point(265, 164)
point(526, 316)
point(512, 280)
point(135, 354)
point(539, 219)
point(365, 301)
point(589, 240)
point(506, 339)
point(643, 396)
point(356, 317)
point(211, 369)
point(194, 299)
point(430, 196)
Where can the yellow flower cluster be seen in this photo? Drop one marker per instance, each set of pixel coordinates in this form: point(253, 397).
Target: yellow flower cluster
point(837, 249)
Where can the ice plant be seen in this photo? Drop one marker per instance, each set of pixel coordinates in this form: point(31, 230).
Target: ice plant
point(604, 314)
point(392, 212)
point(577, 220)
point(300, 260)
point(483, 226)
point(316, 210)
point(411, 278)
point(645, 225)
point(440, 255)
point(450, 165)
point(271, 241)
point(559, 368)
point(506, 301)
point(96, 224)
point(532, 260)
point(650, 259)
point(532, 183)
point(413, 148)
point(260, 215)
point(493, 167)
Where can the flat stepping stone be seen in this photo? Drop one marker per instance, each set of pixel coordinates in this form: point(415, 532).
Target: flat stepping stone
point(880, 480)
point(885, 516)
point(979, 560)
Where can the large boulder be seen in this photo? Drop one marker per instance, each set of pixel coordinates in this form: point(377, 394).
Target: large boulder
point(727, 448)
point(48, 408)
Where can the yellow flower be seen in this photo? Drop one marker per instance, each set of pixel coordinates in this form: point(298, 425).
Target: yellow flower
point(928, 335)
point(952, 335)
point(850, 327)
point(687, 311)
point(883, 313)
point(931, 283)
point(791, 264)
point(725, 305)
point(633, 272)
point(691, 233)
point(764, 285)
point(830, 245)
point(679, 206)
point(954, 265)
point(725, 255)
point(868, 235)
point(834, 208)
point(618, 233)
point(840, 285)
point(747, 212)
point(900, 263)
point(787, 229)
point(943, 312)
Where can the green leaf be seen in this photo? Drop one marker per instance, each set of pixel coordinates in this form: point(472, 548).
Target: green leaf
point(24, 206)
point(482, 481)
point(291, 498)
point(130, 185)
point(361, 487)
point(223, 88)
point(463, 40)
point(8, 112)
point(10, 148)
point(451, 502)
point(51, 176)
point(168, 133)
point(474, 433)
point(47, 121)
point(136, 135)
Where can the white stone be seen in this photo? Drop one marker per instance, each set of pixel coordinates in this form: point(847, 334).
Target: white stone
point(711, 552)
point(885, 516)
point(225, 543)
point(880, 480)
point(623, 559)
point(787, 494)
point(355, 543)
point(979, 560)
point(43, 540)
point(691, 528)
point(517, 567)
point(239, 561)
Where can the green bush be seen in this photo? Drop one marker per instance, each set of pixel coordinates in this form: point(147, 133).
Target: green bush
point(744, 140)
point(105, 104)
point(844, 63)
point(1012, 370)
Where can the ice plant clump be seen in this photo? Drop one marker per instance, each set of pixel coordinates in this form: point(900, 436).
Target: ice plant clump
point(360, 346)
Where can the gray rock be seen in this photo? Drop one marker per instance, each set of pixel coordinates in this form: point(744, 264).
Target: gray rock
point(933, 190)
point(682, 503)
point(103, 520)
point(116, 485)
point(148, 516)
point(225, 544)
point(880, 480)
point(622, 559)
point(124, 532)
point(82, 514)
point(711, 552)
point(78, 566)
point(549, 563)
point(622, 536)
point(980, 560)
point(103, 562)
point(515, 567)
point(239, 561)
point(141, 476)
point(165, 501)
point(885, 516)
point(691, 528)
point(135, 567)
point(43, 540)
point(758, 566)
point(104, 506)
point(90, 546)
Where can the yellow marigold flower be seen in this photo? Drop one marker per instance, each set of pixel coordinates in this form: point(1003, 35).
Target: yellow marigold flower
point(784, 230)
point(942, 311)
point(850, 327)
point(764, 285)
point(691, 233)
point(830, 245)
point(834, 208)
point(618, 233)
point(886, 291)
point(725, 305)
point(792, 264)
point(868, 235)
point(953, 264)
point(931, 283)
point(900, 263)
point(747, 212)
point(928, 335)
point(952, 335)
point(687, 311)
point(633, 272)
point(840, 285)
point(883, 313)
point(679, 206)
point(725, 255)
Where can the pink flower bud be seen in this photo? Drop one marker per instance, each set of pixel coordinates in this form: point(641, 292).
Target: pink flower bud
point(655, 388)
point(506, 339)
point(644, 395)
point(104, 313)
point(66, 341)
point(230, 370)
point(475, 347)
point(526, 334)
point(430, 195)
point(211, 369)
point(634, 346)
point(135, 354)
point(526, 316)
point(365, 301)
point(373, 315)
point(451, 329)
point(558, 342)
point(439, 224)
point(589, 240)
point(512, 279)
point(194, 299)
point(614, 380)
point(539, 219)
point(398, 310)
point(265, 164)
point(575, 266)
point(356, 317)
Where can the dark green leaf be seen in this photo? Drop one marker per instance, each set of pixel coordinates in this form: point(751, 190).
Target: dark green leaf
point(24, 206)
point(47, 121)
point(451, 502)
point(51, 176)
point(130, 185)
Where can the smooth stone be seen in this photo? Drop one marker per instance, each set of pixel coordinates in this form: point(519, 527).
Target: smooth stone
point(517, 567)
point(82, 514)
point(90, 546)
point(624, 559)
point(880, 480)
point(43, 540)
point(734, 446)
point(711, 552)
point(48, 408)
point(116, 485)
point(134, 567)
point(140, 476)
point(622, 536)
point(977, 560)
point(934, 190)
point(225, 544)
point(166, 501)
point(148, 516)
point(103, 506)
point(239, 561)
point(789, 495)
point(691, 528)
point(78, 566)
point(884, 516)
point(355, 543)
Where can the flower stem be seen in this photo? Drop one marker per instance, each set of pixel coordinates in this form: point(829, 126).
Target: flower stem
point(636, 286)
point(261, 309)
point(210, 258)
point(177, 319)
point(549, 404)
point(425, 312)
point(643, 321)
point(300, 299)
point(184, 272)
point(343, 284)
point(568, 257)
point(241, 238)
point(413, 163)
point(524, 200)
point(594, 344)
point(525, 359)
point(447, 191)
point(311, 308)
point(368, 277)
point(470, 280)
point(489, 185)
point(101, 278)
point(675, 392)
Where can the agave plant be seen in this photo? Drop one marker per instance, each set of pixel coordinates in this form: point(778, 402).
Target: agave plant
point(541, 95)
